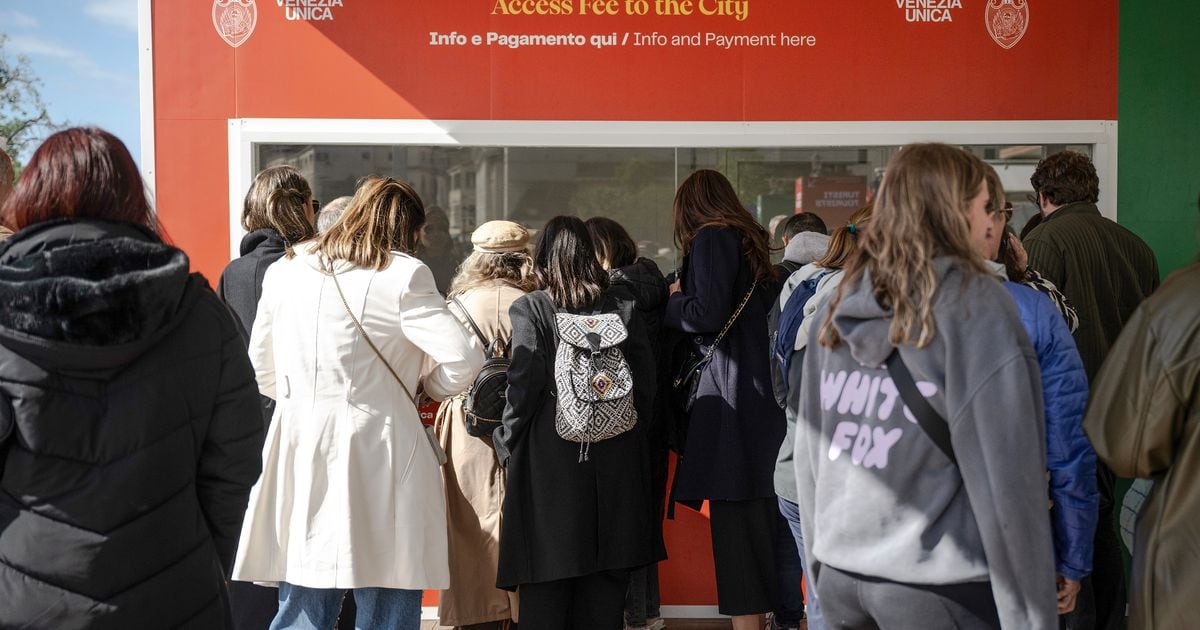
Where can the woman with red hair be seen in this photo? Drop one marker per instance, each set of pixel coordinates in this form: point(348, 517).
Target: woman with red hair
point(130, 430)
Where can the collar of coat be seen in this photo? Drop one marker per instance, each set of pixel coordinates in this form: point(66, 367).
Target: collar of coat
point(1079, 207)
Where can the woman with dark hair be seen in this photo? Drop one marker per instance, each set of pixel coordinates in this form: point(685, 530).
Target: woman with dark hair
point(348, 331)
point(577, 513)
point(735, 424)
point(618, 255)
point(920, 446)
point(130, 430)
point(276, 215)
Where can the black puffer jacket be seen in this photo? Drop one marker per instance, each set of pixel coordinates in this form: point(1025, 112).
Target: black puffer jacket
point(134, 433)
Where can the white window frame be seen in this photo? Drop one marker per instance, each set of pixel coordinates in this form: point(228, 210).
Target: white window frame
point(245, 133)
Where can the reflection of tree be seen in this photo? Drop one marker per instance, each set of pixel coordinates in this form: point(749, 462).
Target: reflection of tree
point(638, 196)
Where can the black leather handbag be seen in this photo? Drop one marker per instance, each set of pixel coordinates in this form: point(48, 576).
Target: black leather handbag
point(485, 400)
point(691, 368)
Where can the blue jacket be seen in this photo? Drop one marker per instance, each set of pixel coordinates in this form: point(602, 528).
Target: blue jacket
point(1069, 455)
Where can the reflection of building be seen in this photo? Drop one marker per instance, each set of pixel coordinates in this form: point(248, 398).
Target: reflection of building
point(634, 186)
point(334, 170)
point(461, 206)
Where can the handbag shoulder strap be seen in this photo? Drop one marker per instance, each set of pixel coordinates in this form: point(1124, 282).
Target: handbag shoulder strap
point(327, 269)
point(487, 345)
point(934, 425)
point(732, 318)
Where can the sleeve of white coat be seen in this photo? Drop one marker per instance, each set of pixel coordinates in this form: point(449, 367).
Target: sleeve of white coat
point(262, 346)
point(451, 362)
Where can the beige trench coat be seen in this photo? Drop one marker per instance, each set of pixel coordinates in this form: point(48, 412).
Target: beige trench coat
point(474, 484)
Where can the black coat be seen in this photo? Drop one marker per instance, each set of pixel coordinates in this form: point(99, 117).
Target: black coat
point(137, 434)
point(563, 518)
point(735, 426)
point(644, 280)
point(241, 282)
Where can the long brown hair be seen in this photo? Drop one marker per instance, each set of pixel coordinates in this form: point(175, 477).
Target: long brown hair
point(844, 240)
point(79, 173)
point(385, 215)
point(279, 200)
point(920, 212)
point(707, 199)
point(614, 247)
point(565, 264)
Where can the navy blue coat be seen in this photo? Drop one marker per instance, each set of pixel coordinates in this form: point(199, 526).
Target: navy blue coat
point(735, 426)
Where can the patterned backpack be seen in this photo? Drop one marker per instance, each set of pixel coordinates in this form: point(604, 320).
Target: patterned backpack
point(593, 381)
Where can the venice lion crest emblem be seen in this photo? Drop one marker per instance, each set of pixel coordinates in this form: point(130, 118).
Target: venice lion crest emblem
point(1007, 21)
point(234, 20)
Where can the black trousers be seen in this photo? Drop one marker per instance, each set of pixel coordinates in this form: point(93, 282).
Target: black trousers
point(589, 602)
point(855, 602)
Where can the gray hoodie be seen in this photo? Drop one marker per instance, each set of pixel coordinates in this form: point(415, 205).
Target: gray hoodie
point(878, 498)
point(805, 247)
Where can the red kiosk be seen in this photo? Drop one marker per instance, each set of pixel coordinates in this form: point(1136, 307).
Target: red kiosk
point(525, 109)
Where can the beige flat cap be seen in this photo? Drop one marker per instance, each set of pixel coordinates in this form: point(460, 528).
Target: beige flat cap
point(498, 237)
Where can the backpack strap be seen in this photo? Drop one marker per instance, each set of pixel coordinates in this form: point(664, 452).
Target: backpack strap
point(488, 346)
point(934, 425)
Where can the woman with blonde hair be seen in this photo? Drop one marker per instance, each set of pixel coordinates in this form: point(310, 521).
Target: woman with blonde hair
point(347, 332)
point(920, 451)
point(497, 272)
point(817, 282)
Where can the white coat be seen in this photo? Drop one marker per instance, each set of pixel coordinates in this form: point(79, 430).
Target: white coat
point(351, 493)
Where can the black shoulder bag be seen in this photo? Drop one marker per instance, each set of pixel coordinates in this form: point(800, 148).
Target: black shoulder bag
point(485, 399)
point(931, 422)
point(687, 379)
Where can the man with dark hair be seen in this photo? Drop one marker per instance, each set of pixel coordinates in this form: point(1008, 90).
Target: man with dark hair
point(1105, 271)
point(800, 222)
point(1155, 379)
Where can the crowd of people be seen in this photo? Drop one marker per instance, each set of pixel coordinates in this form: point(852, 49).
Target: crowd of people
point(920, 412)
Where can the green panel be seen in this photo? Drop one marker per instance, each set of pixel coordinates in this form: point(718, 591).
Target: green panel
point(1159, 126)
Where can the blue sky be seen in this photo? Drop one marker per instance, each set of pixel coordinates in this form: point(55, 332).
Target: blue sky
point(85, 52)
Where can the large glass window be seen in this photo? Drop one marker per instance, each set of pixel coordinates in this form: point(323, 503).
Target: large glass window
point(634, 186)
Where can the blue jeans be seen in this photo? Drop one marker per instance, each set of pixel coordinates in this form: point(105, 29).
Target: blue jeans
point(791, 513)
point(789, 609)
point(303, 608)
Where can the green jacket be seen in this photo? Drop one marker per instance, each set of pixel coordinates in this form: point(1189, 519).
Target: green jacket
point(1144, 420)
point(1104, 270)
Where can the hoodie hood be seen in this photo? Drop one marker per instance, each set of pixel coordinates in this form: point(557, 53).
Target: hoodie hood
point(88, 294)
point(268, 240)
point(865, 325)
point(806, 247)
point(645, 282)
